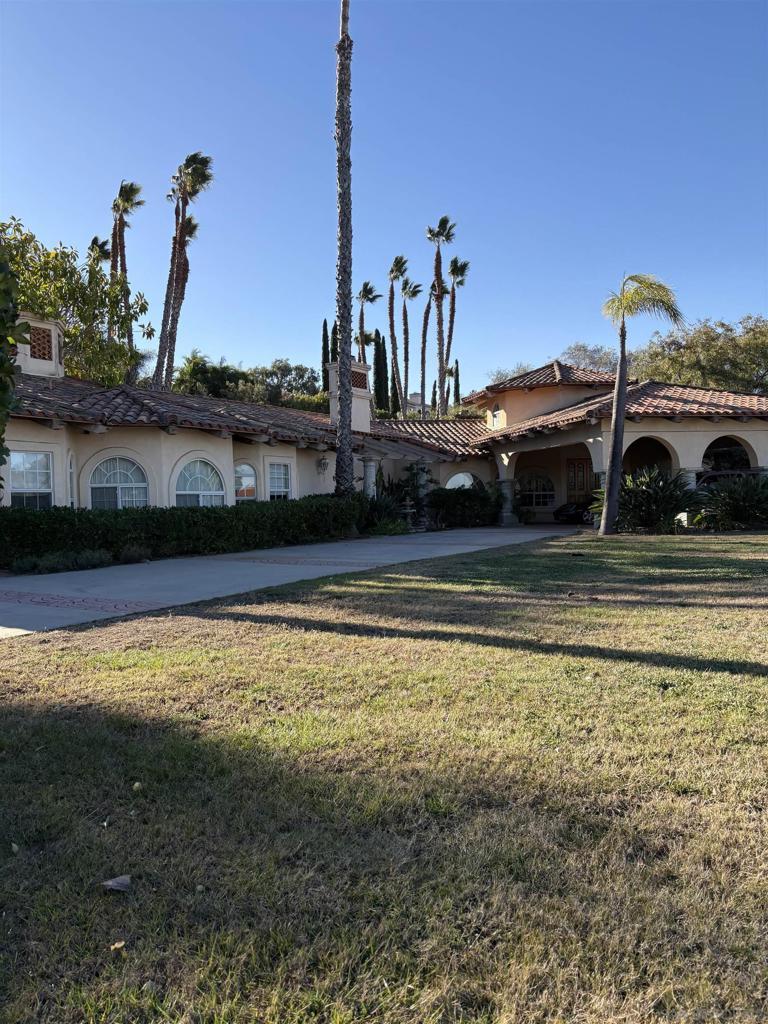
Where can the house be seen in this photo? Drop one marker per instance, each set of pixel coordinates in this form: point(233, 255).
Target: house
point(542, 435)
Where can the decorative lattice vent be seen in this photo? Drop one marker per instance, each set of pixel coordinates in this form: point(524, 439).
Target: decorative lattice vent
point(360, 379)
point(40, 343)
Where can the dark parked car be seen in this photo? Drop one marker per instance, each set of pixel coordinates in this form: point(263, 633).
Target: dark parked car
point(575, 512)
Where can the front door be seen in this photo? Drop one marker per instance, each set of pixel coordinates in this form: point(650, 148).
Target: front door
point(579, 479)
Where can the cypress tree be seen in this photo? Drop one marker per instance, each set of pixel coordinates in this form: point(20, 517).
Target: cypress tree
point(456, 388)
point(325, 356)
point(433, 405)
point(382, 396)
point(335, 343)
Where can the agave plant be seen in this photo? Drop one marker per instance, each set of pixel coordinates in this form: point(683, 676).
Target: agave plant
point(736, 503)
point(652, 500)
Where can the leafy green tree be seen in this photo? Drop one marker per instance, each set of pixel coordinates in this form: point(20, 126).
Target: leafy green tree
point(325, 356)
point(731, 357)
point(191, 178)
point(55, 285)
point(198, 375)
point(590, 357)
point(11, 333)
point(264, 384)
point(638, 294)
point(380, 372)
point(504, 373)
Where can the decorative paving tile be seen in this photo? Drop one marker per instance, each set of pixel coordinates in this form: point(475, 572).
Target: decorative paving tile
point(96, 604)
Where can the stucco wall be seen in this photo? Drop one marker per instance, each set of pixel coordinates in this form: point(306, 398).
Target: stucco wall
point(516, 406)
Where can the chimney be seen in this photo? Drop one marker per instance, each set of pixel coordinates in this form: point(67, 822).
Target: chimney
point(42, 353)
point(361, 396)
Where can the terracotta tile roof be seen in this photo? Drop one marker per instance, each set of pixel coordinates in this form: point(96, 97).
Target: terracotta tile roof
point(78, 401)
point(550, 375)
point(462, 437)
point(651, 398)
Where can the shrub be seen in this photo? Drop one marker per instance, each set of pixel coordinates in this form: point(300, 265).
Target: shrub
point(651, 500)
point(164, 532)
point(736, 503)
point(134, 553)
point(464, 506)
point(61, 561)
point(387, 528)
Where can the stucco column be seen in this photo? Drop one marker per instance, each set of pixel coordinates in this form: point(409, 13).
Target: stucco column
point(689, 475)
point(369, 478)
point(507, 517)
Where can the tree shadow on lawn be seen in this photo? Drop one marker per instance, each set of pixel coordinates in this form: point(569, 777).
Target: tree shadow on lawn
point(277, 889)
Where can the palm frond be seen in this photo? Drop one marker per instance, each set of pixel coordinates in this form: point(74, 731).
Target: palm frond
point(457, 271)
point(410, 289)
point(444, 233)
point(642, 294)
point(99, 249)
point(368, 293)
point(398, 269)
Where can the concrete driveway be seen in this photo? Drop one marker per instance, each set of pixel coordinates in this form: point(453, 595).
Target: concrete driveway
point(34, 603)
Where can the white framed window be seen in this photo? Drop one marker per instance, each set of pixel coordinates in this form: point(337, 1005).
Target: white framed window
point(496, 416)
point(199, 485)
point(31, 480)
point(279, 481)
point(245, 482)
point(535, 489)
point(119, 483)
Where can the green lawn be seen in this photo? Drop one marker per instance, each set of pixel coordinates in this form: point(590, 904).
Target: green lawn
point(523, 786)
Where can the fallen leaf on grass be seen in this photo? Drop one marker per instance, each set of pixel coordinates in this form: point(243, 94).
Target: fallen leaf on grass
point(116, 946)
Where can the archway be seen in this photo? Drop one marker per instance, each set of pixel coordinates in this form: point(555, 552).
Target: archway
point(464, 479)
point(646, 452)
point(726, 455)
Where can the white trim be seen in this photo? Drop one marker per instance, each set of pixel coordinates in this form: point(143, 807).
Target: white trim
point(268, 482)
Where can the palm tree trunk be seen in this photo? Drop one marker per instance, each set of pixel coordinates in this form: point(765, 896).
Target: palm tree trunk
point(449, 342)
point(393, 346)
point(616, 449)
point(162, 347)
point(406, 359)
point(179, 292)
point(440, 329)
point(424, 331)
point(131, 373)
point(345, 477)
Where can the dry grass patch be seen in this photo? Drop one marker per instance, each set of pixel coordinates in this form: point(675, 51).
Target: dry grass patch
point(520, 786)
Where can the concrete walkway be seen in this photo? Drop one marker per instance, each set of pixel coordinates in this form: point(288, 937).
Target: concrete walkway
point(34, 603)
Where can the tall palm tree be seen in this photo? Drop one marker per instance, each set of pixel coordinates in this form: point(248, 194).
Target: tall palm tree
point(397, 271)
point(439, 236)
point(345, 476)
point(189, 232)
point(409, 290)
point(100, 249)
point(128, 200)
point(424, 333)
point(638, 294)
point(191, 178)
point(366, 296)
point(457, 271)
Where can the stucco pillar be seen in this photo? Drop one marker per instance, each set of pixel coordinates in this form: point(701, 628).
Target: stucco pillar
point(507, 517)
point(369, 478)
point(689, 475)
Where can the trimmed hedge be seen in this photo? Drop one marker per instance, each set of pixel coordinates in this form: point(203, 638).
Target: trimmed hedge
point(464, 506)
point(165, 532)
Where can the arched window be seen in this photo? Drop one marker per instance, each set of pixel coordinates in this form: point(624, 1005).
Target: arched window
point(462, 480)
point(199, 484)
point(535, 489)
point(496, 416)
point(119, 483)
point(245, 482)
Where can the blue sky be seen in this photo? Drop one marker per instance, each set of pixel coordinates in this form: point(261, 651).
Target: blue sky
point(569, 141)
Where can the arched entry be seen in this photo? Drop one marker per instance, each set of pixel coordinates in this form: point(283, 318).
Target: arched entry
point(463, 480)
point(646, 452)
point(726, 455)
